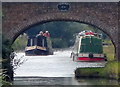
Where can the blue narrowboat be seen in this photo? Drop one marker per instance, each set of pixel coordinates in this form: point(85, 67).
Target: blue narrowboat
point(39, 45)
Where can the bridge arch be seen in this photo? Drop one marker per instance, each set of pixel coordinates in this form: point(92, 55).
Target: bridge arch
point(38, 22)
point(26, 15)
point(46, 21)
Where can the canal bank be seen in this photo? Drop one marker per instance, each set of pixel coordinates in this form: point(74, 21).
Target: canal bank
point(110, 71)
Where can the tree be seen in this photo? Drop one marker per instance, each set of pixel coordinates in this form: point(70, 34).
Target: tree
point(64, 31)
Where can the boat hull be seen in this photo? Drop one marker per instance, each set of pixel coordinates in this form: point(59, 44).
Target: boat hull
point(36, 52)
point(90, 59)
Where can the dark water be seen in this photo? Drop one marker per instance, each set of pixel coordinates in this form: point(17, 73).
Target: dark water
point(62, 81)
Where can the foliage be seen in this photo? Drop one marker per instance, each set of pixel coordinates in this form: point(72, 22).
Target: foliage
point(59, 43)
point(3, 82)
point(109, 50)
point(62, 31)
point(6, 48)
point(6, 62)
point(7, 58)
point(20, 43)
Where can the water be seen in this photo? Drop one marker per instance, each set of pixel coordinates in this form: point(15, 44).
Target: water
point(57, 69)
point(62, 81)
point(58, 65)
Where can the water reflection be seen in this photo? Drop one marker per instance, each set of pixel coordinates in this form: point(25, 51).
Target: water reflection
point(98, 81)
point(62, 81)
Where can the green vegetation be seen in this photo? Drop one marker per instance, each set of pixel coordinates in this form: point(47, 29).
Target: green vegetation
point(6, 71)
point(62, 32)
point(3, 82)
point(109, 71)
point(110, 52)
point(20, 43)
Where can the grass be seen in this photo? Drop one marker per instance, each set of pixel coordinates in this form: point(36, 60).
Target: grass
point(110, 71)
point(2, 82)
point(110, 52)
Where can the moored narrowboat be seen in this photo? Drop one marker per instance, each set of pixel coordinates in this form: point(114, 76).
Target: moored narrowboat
point(88, 47)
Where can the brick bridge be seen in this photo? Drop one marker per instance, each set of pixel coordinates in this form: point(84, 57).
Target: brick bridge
point(18, 17)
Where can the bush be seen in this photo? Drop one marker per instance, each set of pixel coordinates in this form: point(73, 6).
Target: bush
point(59, 43)
point(20, 43)
point(6, 62)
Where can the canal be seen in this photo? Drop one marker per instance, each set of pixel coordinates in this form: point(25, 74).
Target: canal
point(57, 69)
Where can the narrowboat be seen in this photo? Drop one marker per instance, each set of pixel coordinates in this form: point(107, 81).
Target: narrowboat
point(39, 45)
point(88, 47)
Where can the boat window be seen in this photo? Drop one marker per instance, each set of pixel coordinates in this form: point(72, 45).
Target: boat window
point(91, 45)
